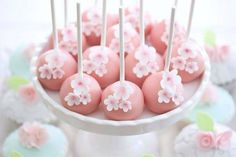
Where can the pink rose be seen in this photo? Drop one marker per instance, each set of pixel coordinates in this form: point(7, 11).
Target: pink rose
point(33, 135)
point(28, 93)
point(206, 140)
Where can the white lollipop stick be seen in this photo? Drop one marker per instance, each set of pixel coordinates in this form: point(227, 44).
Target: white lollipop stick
point(190, 17)
point(121, 2)
point(54, 28)
point(79, 36)
point(104, 23)
point(142, 29)
point(176, 3)
point(65, 13)
point(170, 40)
point(122, 56)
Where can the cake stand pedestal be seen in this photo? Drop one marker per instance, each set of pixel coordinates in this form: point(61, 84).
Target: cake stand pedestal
point(107, 138)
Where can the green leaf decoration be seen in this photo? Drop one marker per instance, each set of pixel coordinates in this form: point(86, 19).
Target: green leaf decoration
point(204, 122)
point(15, 82)
point(16, 154)
point(210, 38)
point(148, 155)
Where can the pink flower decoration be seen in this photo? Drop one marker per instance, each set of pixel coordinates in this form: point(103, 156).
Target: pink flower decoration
point(33, 135)
point(140, 70)
point(145, 54)
point(88, 28)
point(223, 140)
point(101, 70)
point(28, 93)
point(72, 99)
point(122, 91)
point(98, 57)
point(69, 33)
point(58, 73)
point(114, 45)
point(164, 96)
point(89, 66)
point(153, 67)
point(85, 98)
point(129, 32)
point(125, 106)
point(206, 140)
point(69, 46)
point(178, 63)
point(178, 99)
point(112, 103)
point(191, 67)
point(170, 79)
point(45, 72)
point(80, 85)
point(187, 51)
point(55, 59)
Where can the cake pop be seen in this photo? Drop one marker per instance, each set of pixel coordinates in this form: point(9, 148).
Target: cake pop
point(159, 34)
point(80, 93)
point(66, 36)
point(144, 61)
point(163, 91)
point(36, 140)
point(92, 24)
point(187, 58)
point(55, 66)
point(100, 61)
point(206, 139)
point(122, 100)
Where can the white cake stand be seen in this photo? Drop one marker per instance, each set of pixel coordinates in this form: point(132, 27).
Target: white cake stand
point(106, 138)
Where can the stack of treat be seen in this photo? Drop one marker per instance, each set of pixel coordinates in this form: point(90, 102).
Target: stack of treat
point(112, 65)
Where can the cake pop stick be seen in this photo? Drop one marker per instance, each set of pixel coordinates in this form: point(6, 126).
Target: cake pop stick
point(54, 28)
point(142, 29)
point(170, 40)
point(65, 13)
point(190, 18)
point(104, 24)
point(79, 36)
point(176, 3)
point(121, 2)
point(122, 53)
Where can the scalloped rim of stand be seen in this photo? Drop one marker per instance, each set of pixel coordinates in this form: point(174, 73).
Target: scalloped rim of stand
point(121, 127)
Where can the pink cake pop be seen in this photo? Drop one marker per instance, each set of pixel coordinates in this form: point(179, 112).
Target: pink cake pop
point(187, 58)
point(55, 66)
point(163, 91)
point(92, 25)
point(100, 61)
point(80, 93)
point(144, 61)
point(122, 100)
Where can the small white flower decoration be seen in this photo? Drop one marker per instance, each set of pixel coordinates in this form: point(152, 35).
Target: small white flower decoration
point(93, 24)
point(45, 72)
point(69, 33)
point(178, 63)
point(58, 73)
point(112, 103)
point(69, 46)
point(55, 59)
point(97, 62)
point(191, 67)
point(146, 57)
point(114, 45)
point(125, 105)
point(170, 88)
point(141, 70)
point(89, 66)
point(72, 99)
point(119, 99)
point(187, 53)
point(80, 94)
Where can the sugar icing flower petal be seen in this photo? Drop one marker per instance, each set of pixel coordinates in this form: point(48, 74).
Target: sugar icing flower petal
point(153, 67)
point(112, 103)
point(164, 96)
point(140, 70)
point(55, 59)
point(101, 70)
point(178, 99)
point(45, 72)
point(72, 99)
point(89, 66)
point(187, 51)
point(58, 73)
point(145, 54)
point(178, 63)
point(98, 57)
point(85, 98)
point(191, 67)
point(122, 90)
point(80, 85)
point(114, 45)
point(125, 105)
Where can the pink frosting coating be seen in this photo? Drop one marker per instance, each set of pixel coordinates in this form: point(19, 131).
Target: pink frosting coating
point(94, 91)
point(151, 87)
point(132, 39)
point(50, 44)
point(111, 66)
point(136, 99)
point(93, 38)
point(199, 60)
point(131, 62)
point(69, 68)
point(156, 33)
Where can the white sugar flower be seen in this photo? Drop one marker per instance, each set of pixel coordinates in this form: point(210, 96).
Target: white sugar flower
point(58, 73)
point(45, 72)
point(98, 57)
point(164, 96)
point(145, 54)
point(178, 63)
point(141, 70)
point(72, 99)
point(85, 98)
point(122, 90)
point(89, 67)
point(55, 59)
point(191, 67)
point(101, 70)
point(125, 105)
point(80, 85)
point(112, 103)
